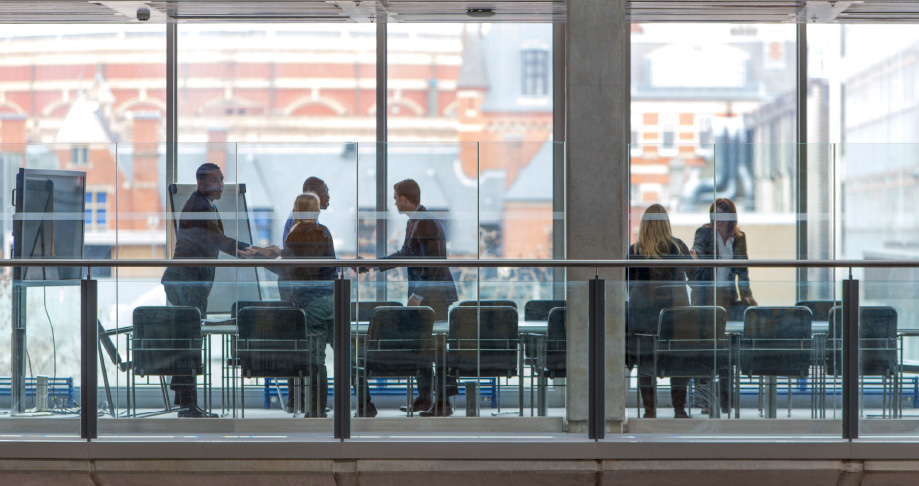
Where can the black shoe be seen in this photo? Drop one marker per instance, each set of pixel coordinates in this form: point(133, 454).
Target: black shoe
point(438, 411)
point(369, 410)
point(315, 415)
point(419, 405)
point(680, 413)
point(196, 412)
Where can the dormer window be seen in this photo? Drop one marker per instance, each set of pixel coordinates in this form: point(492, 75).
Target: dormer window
point(534, 64)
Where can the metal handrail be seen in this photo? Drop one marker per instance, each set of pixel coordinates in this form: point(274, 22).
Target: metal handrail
point(459, 263)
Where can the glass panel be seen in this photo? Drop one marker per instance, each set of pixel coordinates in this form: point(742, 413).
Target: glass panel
point(471, 82)
point(277, 83)
point(445, 226)
point(43, 373)
point(888, 380)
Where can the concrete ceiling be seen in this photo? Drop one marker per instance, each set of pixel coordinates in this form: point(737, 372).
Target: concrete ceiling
point(196, 11)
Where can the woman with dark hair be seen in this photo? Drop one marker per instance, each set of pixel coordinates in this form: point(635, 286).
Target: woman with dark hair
point(727, 287)
point(722, 238)
point(652, 289)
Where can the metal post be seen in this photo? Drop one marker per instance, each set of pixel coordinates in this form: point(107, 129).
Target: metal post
point(558, 156)
point(172, 119)
point(18, 356)
point(342, 358)
point(850, 358)
point(596, 356)
point(88, 353)
point(382, 152)
point(801, 154)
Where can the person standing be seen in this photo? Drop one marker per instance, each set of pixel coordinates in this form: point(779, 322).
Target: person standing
point(200, 235)
point(652, 289)
point(316, 186)
point(727, 287)
point(311, 289)
point(427, 286)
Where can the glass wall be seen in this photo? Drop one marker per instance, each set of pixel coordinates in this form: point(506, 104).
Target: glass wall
point(68, 93)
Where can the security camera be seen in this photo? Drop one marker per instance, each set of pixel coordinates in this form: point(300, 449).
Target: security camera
point(143, 14)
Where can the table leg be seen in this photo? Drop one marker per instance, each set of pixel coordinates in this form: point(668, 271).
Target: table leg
point(772, 388)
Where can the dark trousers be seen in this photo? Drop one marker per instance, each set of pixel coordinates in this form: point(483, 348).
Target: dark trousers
point(192, 294)
point(425, 377)
point(320, 324)
point(678, 388)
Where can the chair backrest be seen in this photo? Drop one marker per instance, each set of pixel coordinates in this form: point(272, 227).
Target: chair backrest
point(877, 340)
point(538, 310)
point(483, 341)
point(648, 298)
point(363, 311)
point(556, 344)
point(242, 304)
point(488, 303)
point(167, 341)
point(691, 341)
point(399, 341)
point(777, 323)
point(692, 323)
point(777, 341)
point(820, 308)
point(272, 341)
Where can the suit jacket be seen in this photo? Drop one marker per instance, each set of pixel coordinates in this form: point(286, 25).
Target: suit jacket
point(200, 235)
point(425, 238)
point(704, 246)
point(302, 284)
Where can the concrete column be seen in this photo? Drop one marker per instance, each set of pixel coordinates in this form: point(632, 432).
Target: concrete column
point(597, 195)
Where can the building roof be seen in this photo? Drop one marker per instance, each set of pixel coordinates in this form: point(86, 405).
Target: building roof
point(84, 124)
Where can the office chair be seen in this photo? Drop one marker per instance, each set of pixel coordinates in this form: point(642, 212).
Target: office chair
point(483, 342)
point(272, 342)
point(166, 342)
point(399, 343)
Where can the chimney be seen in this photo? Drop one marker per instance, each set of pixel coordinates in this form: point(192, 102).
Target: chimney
point(217, 147)
point(144, 196)
point(13, 132)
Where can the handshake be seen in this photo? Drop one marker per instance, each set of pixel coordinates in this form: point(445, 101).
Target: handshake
point(362, 269)
point(256, 251)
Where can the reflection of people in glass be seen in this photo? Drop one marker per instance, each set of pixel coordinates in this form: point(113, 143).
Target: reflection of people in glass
point(316, 186)
point(311, 289)
point(200, 235)
point(722, 238)
point(427, 286)
point(650, 291)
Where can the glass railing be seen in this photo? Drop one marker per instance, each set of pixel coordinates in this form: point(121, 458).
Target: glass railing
point(477, 349)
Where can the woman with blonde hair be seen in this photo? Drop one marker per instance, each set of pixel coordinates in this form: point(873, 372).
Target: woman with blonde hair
point(652, 289)
point(311, 289)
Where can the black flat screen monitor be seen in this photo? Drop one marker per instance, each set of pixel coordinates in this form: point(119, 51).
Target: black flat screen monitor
point(49, 221)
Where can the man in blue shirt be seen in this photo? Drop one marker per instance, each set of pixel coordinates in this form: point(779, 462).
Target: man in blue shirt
point(318, 187)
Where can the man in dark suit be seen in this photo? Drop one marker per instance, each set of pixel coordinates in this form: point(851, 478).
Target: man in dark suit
point(427, 286)
point(200, 235)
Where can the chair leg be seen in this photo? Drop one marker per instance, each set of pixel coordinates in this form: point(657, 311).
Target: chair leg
point(520, 394)
point(165, 392)
point(789, 397)
point(714, 406)
point(861, 397)
point(759, 398)
point(408, 396)
point(883, 396)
